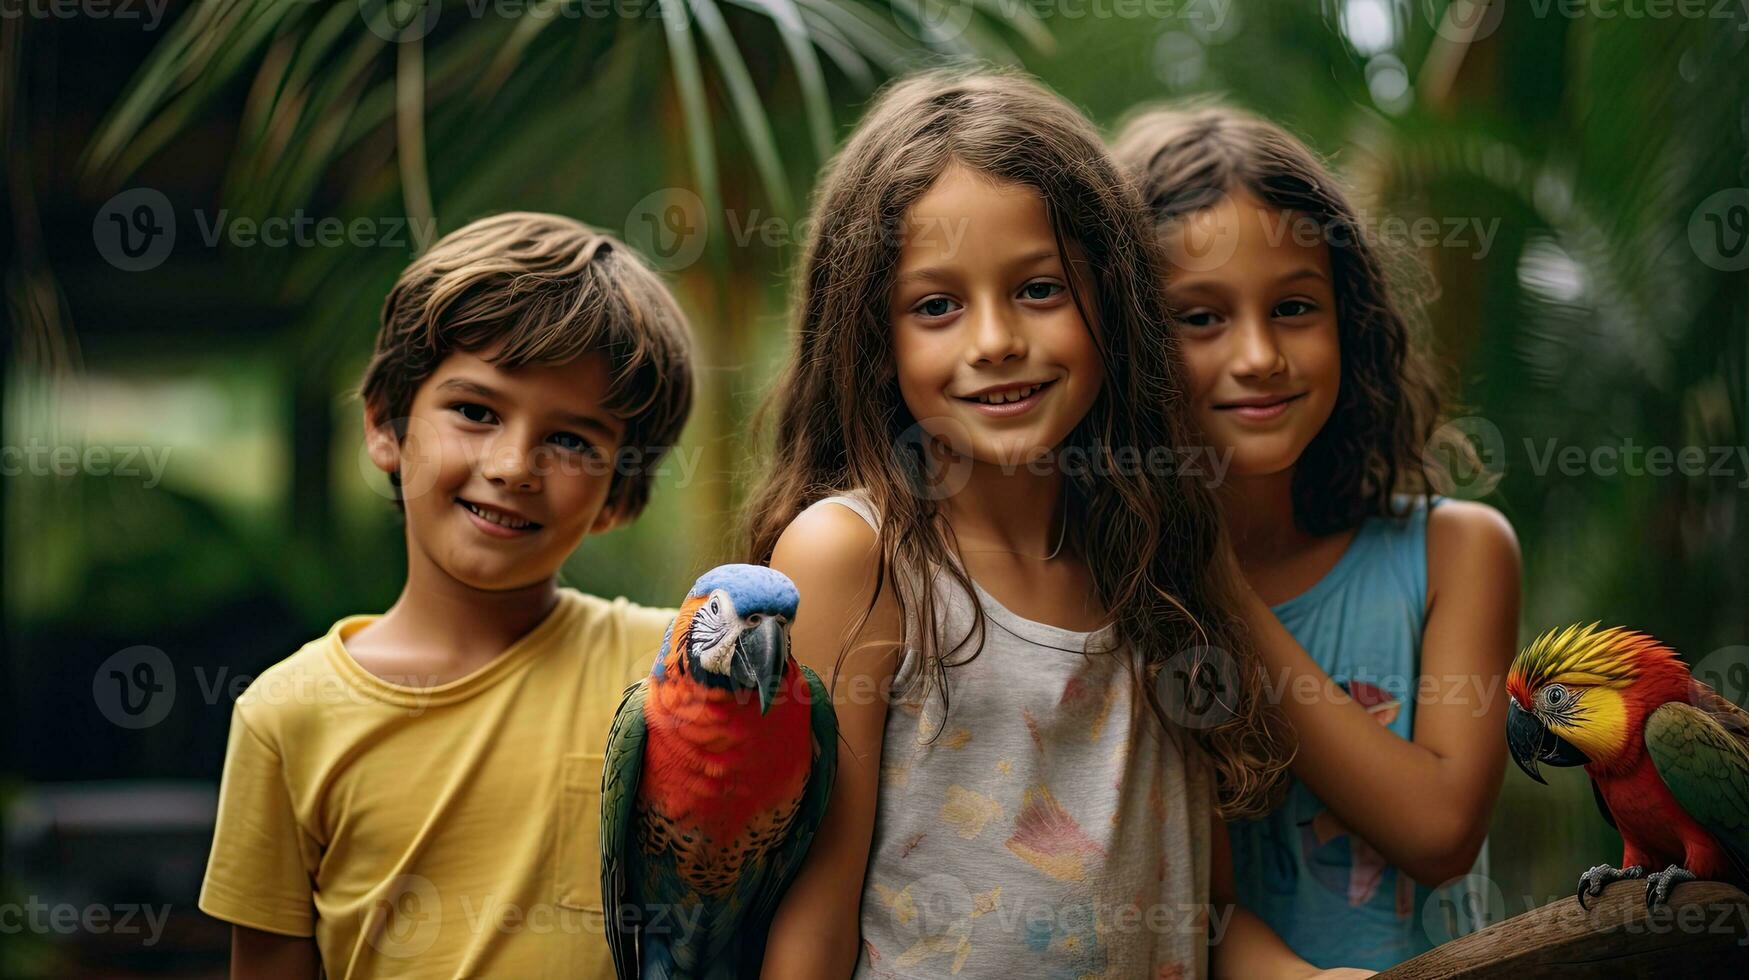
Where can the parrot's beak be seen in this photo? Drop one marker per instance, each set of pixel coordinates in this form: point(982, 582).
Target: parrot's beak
point(760, 656)
point(1531, 742)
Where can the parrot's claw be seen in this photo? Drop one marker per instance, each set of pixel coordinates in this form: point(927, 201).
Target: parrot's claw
point(1659, 884)
point(1592, 882)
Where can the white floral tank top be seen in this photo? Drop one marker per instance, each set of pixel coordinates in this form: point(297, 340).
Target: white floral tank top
point(1050, 829)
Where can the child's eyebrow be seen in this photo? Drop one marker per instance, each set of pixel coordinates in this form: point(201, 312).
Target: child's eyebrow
point(471, 387)
point(1036, 257)
point(921, 275)
point(937, 274)
point(1306, 272)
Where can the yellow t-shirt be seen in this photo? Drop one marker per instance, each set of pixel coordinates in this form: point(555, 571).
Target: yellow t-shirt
point(446, 831)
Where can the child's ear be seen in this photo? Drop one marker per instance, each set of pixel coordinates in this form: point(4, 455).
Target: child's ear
point(380, 440)
point(611, 516)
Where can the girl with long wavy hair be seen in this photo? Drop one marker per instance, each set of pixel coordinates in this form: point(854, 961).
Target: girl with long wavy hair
point(1385, 613)
point(1010, 575)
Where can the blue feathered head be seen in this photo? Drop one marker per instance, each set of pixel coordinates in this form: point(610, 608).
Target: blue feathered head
point(737, 630)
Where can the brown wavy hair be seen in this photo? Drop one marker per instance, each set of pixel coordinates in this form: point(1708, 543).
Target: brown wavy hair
point(837, 422)
point(1373, 455)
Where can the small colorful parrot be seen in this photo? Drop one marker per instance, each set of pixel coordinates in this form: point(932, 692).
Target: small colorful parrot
point(1667, 756)
point(718, 768)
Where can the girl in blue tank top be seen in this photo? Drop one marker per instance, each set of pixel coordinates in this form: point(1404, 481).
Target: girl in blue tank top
point(1386, 613)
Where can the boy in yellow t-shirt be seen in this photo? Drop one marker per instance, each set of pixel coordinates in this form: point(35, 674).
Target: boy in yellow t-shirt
point(416, 794)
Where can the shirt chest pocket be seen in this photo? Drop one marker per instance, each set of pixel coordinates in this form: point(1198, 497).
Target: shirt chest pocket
point(577, 871)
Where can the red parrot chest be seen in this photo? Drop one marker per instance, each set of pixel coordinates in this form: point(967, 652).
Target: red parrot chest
point(721, 782)
point(1656, 832)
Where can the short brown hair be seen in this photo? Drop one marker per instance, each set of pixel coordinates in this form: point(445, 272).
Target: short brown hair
point(550, 290)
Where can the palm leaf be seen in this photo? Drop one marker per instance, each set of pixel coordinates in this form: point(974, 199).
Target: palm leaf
point(745, 99)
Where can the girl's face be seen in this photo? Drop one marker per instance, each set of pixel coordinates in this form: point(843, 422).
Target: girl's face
point(993, 358)
point(1257, 330)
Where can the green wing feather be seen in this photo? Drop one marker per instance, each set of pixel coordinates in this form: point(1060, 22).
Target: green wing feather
point(1706, 767)
point(764, 891)
point(619, 795)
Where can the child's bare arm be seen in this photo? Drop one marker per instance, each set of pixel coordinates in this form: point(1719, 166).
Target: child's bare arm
point(1424, 804)
point(258, 955)
point(830, 554)
point(1247, 947)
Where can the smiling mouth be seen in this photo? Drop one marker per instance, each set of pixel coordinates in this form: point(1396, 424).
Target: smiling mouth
point(1259, 406)
point(500, 518)
point(1008, 396)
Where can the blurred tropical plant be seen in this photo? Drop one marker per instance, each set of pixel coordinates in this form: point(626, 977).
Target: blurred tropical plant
point(1581, 158)
point(644, 117)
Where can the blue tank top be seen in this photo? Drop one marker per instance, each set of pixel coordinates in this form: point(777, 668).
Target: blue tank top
point(1327, 893)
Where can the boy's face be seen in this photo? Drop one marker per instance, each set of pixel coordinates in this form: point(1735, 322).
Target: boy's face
point(503, 472)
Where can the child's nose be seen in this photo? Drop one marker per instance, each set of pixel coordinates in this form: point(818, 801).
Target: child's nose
point(509, 464)
point(1257, 353)
point(996, 337)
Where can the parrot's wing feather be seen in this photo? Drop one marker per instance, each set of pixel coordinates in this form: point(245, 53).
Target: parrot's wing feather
point(784, 862)
point(619, 795)
point(1706, 767)
point(1735, 719)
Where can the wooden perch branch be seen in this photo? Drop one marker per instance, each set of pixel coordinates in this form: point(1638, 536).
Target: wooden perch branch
point(1702, 932)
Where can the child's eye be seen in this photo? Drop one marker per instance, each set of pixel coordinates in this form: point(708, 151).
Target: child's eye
point(1292, 308)
point(935, 306)
point(1041, 290)
point(1199, 318)
point(572, 442)
point(474, 412)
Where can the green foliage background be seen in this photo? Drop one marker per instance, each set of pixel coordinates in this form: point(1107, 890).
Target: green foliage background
point(1590, 144)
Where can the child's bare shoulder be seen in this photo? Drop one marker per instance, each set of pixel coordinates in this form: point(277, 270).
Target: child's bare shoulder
point(1460, 526)
point(828, 543)
point(1471, 545)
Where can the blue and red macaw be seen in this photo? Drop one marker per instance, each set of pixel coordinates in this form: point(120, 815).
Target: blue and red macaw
point(1667, 756)
point(719, 765)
